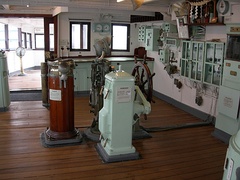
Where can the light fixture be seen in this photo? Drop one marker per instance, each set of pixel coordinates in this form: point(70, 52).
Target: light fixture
point(27, 5)
point(137, 3)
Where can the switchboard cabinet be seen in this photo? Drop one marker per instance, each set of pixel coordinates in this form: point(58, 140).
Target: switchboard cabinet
point(202, 61)
point(82, 74)
point(197, 57)
point(213, 65)
point(152, 38)
point(186, 58)
point(231, 74)
point(192, 59)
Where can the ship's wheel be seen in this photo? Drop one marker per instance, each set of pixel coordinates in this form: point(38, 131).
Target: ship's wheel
point(143, 79)
point(20, 52)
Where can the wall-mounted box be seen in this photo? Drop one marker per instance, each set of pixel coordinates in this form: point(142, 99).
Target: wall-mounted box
point(164, 55)
point(172, 42)
point(170, 28)
point(231, 74)
point(152, 38)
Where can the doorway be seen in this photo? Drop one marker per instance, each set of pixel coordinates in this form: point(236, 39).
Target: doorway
point(36, 36)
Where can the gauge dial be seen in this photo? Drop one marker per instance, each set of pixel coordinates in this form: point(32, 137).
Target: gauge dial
point(106, 27)
point(222, 7)
point(98, 28)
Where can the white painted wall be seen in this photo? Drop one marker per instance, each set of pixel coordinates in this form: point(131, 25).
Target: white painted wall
point(64, 22)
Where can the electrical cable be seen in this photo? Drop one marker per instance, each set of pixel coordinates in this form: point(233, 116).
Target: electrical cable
point(177, 126)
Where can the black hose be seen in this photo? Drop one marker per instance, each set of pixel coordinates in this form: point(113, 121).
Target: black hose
point(177, 126)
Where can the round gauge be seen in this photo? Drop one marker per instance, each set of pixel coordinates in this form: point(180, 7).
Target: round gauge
point(20, 51)
point(106, 27)
point(222, 7)
point(98, 27)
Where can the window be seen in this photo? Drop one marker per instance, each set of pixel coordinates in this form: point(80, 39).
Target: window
point(39, 41)
point(13, 37)
point(2, 36)
point(79, 36)
point(29, 40)
point(120, 37)
point(24, 40)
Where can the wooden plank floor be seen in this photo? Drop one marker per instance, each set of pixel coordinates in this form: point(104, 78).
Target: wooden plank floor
point(31, 81)
point(188, 153)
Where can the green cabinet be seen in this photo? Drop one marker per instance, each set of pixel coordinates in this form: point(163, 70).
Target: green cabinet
point(197, 55)
point(186, 58)
point(213, 64)
point(192, 59)
point(164, 55)
point(152, 38)
point(82, 73)
point(202, 61)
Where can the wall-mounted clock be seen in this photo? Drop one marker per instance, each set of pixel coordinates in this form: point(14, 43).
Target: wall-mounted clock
point(98, 27)
point(106, 27)
point(223, 7)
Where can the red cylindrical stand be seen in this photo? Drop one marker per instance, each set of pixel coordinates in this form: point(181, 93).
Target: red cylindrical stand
point(61, 98)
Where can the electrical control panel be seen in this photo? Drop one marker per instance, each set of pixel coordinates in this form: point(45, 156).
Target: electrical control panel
point(164, 55)
point(182, 26)
point(169, 28)
point(141, 33)
point(231, 74)
point(152, 38)
point(203, 61)
point(213, 64)
point(172, 42)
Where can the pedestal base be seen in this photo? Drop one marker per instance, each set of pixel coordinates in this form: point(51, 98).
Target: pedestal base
point(138, 134)
point(48, 142)
point(221, 135)
point(115, 158)
point(91, 135)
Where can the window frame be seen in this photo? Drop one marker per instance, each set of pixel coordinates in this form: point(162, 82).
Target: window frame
point(5, 37)
point(30, 40)
point(81, 35)
point(24, 41)
point(128, 37)
point(36, 34)
point(18, 40)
